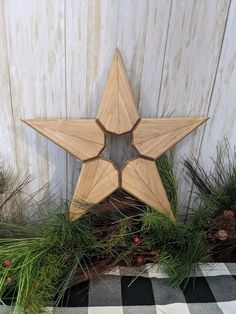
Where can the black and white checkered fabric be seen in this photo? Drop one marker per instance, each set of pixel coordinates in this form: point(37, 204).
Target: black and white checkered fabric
point(211, 290)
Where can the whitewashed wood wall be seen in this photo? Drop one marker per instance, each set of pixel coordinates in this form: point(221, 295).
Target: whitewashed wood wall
point(54, 58)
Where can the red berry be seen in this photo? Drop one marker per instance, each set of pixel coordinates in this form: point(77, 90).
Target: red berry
point(7, 262)
point(8, 280)
point(136, 240)
point(139, 260)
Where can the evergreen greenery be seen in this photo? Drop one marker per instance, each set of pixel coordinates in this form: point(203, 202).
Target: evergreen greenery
point(165, 168)
point(4, 180)
point(48, 253)
point(44, 259)
point(216, 188)
point(182, 245)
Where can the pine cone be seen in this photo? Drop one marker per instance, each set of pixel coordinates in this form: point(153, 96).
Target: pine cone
point(222, 235)
point(229, 213)
point(223, 222)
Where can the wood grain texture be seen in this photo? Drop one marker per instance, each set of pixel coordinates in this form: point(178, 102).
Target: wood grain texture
point(36, 54)
point(7, 125)
point(153, 137)
point(98, 179)
point(131, 39)
point(222, 108)
point(84, 139)
point(158, 16)
point(140, 178)
point(117, 111)
point(57, 53)
point(193, 48)
point(89, 47)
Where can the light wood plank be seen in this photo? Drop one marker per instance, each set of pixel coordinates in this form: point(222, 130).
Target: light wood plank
point(153, 58)
point(7, 130)
point(89, 47)
point(98, 179)
point(132, 32)
point(223, 105)
point(36, 52)
point(117, 111)
point(140, 178)
point(153, 137)
point(84, 139)
point(193, 48)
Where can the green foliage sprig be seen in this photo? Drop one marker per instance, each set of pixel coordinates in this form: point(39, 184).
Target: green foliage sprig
point(182, 246)
point(43, 265)
point(214, 189)
point(165, 168)
point(46, 254)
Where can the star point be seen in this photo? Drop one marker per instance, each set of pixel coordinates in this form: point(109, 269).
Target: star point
point(84, 138)
point(140, 177)
point(153, 137)
point(98, 179)
point(117, 112)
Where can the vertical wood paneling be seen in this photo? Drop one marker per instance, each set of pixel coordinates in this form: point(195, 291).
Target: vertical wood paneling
point(35, 37)
point(155, 44)
point(7, 142)
point(76, 19)
point(223, 103)
point(91, 38)
point(132, 31)
point(193, 48)
point(55, 57)
point(101, 43)
point(131, 37)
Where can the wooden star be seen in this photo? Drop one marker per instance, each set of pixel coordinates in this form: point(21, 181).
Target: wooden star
point(85, 139)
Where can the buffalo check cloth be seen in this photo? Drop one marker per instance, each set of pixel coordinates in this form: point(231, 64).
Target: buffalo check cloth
point(210, 290)
point(147, 290)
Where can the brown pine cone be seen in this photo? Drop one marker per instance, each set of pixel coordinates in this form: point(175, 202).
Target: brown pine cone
point(229, 213)
point(223, 222)
point(222, 235)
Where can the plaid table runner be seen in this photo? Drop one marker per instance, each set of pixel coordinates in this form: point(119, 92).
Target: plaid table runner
point(210, 290)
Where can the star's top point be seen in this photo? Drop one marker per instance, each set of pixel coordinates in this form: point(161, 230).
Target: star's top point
point(117, 112)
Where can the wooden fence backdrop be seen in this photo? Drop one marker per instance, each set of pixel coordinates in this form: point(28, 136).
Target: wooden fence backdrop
point(54, 59)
